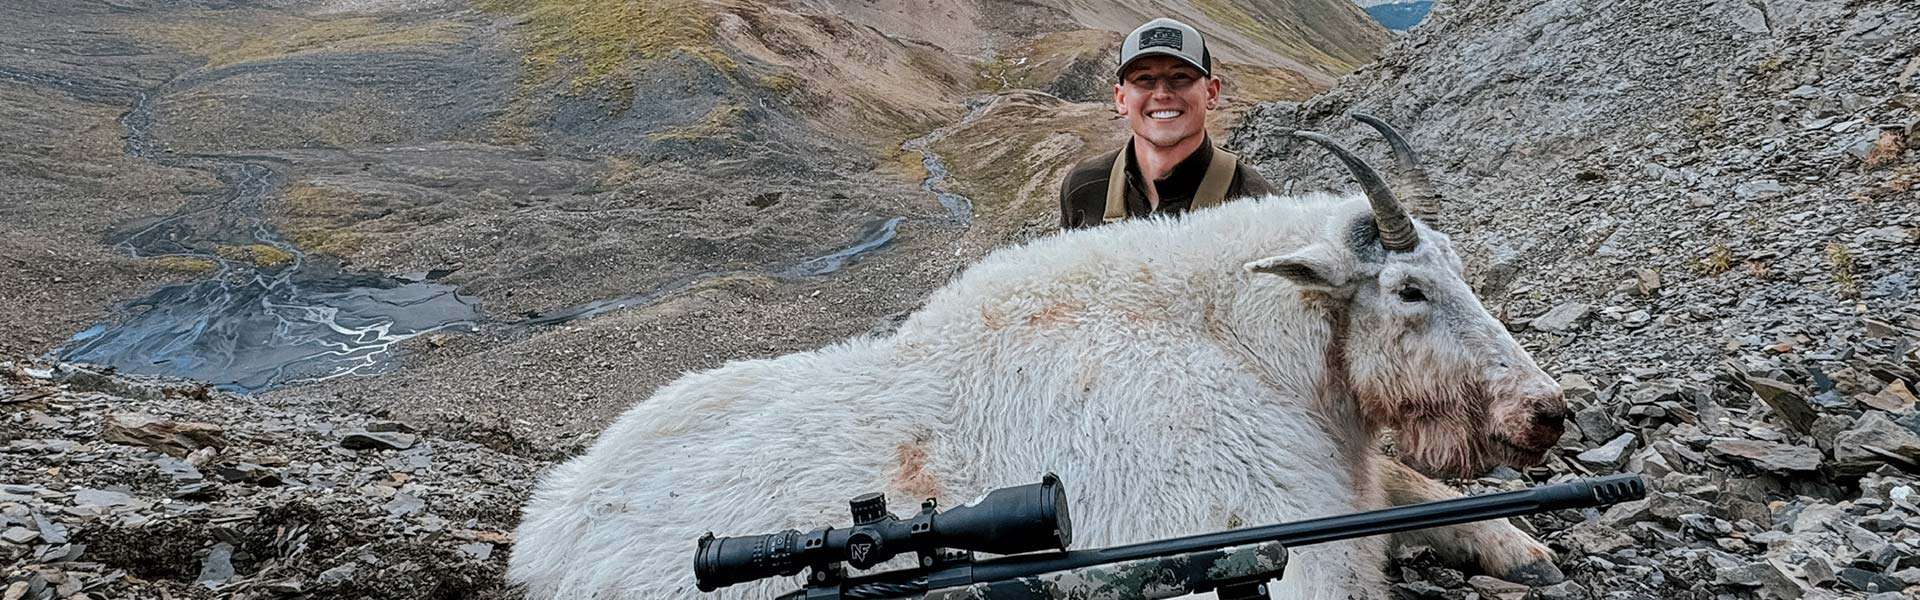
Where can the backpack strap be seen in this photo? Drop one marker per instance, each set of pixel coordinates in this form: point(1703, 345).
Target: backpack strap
point(1213, 187)
point(1117, 187)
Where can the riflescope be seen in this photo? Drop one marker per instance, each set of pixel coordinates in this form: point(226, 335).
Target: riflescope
point(1027, 518)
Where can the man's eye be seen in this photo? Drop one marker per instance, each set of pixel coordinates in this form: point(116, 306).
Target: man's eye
point(1412, 294)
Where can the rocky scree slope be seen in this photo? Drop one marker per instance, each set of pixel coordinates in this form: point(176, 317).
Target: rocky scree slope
point(1703, 214)
point(140, 488)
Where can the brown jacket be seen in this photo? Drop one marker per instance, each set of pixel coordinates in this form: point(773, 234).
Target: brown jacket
point(1083, 194)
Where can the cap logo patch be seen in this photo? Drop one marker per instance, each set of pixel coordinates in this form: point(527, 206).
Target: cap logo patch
point(1162, 36)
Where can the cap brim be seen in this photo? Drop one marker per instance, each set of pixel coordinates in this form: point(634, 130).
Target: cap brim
point(1160, 51)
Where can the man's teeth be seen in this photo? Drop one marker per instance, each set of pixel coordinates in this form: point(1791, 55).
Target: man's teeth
point(1164, 114)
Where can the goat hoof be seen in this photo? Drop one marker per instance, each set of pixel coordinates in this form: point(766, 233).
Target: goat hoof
point(1536, 573)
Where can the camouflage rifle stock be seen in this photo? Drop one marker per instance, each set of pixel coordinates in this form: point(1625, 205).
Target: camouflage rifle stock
point(1238, 563)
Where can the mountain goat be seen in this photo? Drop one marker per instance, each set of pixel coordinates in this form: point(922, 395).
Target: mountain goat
point(1235, 365)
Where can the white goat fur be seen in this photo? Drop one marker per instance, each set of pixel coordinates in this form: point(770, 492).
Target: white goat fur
point(1109, 356)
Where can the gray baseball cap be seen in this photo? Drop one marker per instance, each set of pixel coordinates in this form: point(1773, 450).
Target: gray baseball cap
point(1166, 37)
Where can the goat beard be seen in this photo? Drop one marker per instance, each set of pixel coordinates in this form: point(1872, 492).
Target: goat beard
point(1446, 449)
point(1445, 430)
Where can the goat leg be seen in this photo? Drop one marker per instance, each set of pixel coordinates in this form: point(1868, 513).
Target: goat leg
point(1496, 547)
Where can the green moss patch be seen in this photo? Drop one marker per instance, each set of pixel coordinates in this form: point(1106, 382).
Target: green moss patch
point(593, 41)
point(261, 255)
point(317, 218)
point(722, 120)
point(228, 41)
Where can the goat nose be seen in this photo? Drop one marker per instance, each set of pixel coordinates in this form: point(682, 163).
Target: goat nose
point(1552, 413)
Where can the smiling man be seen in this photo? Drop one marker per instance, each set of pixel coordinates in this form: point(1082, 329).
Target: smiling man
point(1169, 165)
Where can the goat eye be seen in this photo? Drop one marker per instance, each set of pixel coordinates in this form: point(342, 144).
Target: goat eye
point(1412, 294)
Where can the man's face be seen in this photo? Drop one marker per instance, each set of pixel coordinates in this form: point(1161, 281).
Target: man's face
point(1165, 100)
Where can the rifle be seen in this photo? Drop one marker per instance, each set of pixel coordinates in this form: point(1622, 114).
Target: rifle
point(1030, 523)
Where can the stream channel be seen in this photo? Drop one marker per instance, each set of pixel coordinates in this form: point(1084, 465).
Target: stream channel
point(252, 327)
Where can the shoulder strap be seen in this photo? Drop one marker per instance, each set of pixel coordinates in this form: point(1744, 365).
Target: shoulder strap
point(1213, 186)
point(1117, 187)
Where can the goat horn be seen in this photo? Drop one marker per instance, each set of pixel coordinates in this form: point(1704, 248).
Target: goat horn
point(1415, 187)
point(1396, 228)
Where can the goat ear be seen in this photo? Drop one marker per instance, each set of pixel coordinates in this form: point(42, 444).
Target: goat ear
point(1312, 268)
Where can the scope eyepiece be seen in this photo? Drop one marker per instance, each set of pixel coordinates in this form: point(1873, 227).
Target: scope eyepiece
point(1012, 520)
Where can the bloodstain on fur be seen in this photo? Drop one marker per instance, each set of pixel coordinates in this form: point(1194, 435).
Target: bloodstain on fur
point(1335, 376)
point(991, 319)
point(1057, 313)
point(914, 478)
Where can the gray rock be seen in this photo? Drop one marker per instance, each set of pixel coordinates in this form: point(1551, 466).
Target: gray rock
point(179, 470)
point(41, 420)
point(50, 530)
point(1497, 589)
point(1778, 458)
point(1705, 525)
point(373, 440)
point(1756, 190)
point(1814, 518)
point(1868, 581)
point(1650, 462)
point(1745, 15)
point(1610, 455)
point(92, 497)
point(1909, 576)
point(286, 587)
point(1577, 388)
point(1891, 235)
point(1763, 574)
point(1884, 556)
point(1565, 590)
point(1594, 538)
point(1884, 522)
point(1669, 506)
point(217, 568)
point(1635, 319)
point(1874, 440)
point(248, 473)
point(19, 535)
point(1627, 513)
point(1788, 401)
point(1419, 590)
point(1646, 281)
point(1817, 571)
point(389, 426)
point(414, 460)
point(84, 380)
point(336, 575)
point(177, 439)
point(479, 550)
point(191, 491)
point(1828, 428)
point(1862, 540)
point(404, 504)
point(1596, 423)
point(1564, 317)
